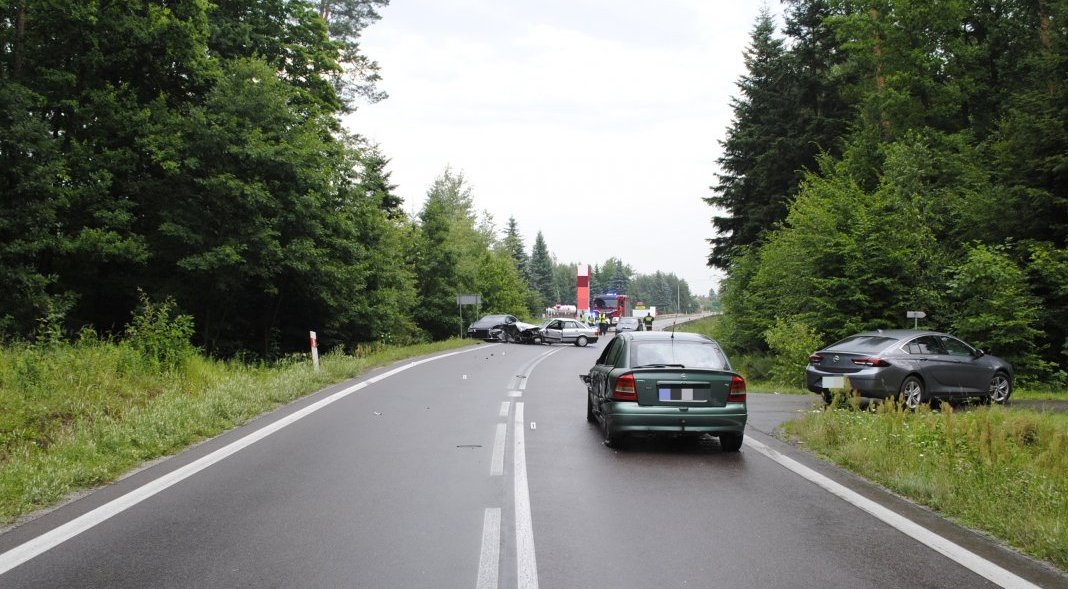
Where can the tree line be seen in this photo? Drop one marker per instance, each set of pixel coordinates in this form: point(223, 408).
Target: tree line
point(191, 153)
point(889, 156)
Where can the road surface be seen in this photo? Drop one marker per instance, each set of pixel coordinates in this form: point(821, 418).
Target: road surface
point(477, 469)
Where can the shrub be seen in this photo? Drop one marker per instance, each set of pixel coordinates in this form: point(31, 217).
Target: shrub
point(161, 337)
point(791, 341)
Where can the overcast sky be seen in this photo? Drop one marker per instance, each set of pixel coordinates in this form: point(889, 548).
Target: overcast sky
point(596, 122)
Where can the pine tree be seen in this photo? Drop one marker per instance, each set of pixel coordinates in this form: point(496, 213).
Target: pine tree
point(753, 185)
point(541, 271)
point(620, 280)
point(513, 245)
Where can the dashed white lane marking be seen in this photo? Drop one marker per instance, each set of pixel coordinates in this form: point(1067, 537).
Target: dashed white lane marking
point(506, 407)
point(489, 563)
point(497, 461)
point(955, 552)
point(515, 394)
point(24, 552)
point(526, 562)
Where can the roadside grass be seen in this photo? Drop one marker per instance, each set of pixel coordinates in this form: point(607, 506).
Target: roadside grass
point(996, 469)
point(77, 415)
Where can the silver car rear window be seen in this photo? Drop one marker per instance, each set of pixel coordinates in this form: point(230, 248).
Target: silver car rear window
point(862, 343)
point(689, 354)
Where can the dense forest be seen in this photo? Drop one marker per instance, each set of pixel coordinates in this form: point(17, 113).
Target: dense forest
point(190, 153)
point(888, 156)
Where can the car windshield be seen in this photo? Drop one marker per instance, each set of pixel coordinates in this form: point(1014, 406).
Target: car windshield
point(686, 354)
point(866, 344)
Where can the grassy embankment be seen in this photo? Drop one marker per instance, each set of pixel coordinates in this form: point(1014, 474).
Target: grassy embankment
point(1002, 470)
point(997, 469)
point(77, 415)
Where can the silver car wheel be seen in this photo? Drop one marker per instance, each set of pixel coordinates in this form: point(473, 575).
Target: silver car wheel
point(912, 392)
point(581, 341)
point(1000, 388)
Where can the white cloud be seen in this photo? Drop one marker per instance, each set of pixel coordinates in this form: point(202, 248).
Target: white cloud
point(596, 122)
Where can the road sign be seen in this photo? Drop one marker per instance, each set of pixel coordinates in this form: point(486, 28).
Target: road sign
point(915, 316)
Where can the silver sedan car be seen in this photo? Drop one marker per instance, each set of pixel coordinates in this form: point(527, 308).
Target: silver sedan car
point(917, 365)
point(567, 331)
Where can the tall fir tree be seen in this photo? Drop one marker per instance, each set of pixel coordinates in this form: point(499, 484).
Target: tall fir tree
point(512, 243)
point(753, 184)
point(541, 271)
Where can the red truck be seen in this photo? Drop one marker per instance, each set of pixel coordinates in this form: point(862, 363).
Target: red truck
point(611, 304)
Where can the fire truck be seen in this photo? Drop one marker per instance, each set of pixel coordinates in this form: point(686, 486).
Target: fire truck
point(611, 304)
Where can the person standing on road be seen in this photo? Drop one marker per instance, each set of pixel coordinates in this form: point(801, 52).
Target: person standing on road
point(604, 323)
point(648, 321)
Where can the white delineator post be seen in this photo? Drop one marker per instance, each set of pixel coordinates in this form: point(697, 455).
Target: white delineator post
point(314, 350)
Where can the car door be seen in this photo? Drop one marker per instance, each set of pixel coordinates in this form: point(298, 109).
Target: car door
point(970, 375)
point(554, 331)
point(570, 331)
point(930, 360)
point(600, 374)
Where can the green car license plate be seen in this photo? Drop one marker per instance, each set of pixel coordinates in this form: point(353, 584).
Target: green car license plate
point(683, 395)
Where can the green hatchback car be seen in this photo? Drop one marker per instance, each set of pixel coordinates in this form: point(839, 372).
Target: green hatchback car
point(664, 383)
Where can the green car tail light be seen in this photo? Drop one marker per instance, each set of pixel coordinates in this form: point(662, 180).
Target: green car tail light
point(626, 389)
point(737, 390)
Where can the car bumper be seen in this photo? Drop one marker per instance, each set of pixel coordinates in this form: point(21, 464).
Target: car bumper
point(625, 417)
point(868, 385)
point(486, 334)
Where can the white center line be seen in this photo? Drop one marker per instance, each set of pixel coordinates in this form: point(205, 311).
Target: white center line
point(489, 563)
point(526, 562)
point(497, 461)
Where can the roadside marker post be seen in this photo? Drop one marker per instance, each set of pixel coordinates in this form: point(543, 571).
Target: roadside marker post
point(314, 350)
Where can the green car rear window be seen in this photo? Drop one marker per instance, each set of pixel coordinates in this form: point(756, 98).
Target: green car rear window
point(688, 354)
point(862, 344)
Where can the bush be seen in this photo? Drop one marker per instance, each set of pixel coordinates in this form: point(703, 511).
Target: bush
point(161, 337)
point(791, 342)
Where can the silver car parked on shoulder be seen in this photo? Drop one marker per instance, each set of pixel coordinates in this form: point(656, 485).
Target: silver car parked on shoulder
point(917, 365)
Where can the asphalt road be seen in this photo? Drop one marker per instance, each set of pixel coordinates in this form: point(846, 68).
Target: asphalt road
point(478, 469)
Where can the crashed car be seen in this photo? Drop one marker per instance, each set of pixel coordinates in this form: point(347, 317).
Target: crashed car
point(554, 331)
point(524, 333)
point(491, 328)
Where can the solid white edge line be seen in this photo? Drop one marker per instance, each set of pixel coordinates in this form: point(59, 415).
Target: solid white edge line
point(489, 561)
point(951, 550)
point(28, 550)
point(526, 562)
point(497, 461)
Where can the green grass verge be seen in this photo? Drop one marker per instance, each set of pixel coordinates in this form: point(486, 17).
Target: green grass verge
point(75, 416)
point(997, 469)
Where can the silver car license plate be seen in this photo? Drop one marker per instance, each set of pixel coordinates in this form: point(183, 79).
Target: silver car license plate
point(834, 382)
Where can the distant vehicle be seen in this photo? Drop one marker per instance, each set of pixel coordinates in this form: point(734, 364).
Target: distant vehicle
point(611, 304)
point(491, 327)
point(663, 383)
point(561, 311)
point(917, 365)
point(629, 324)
